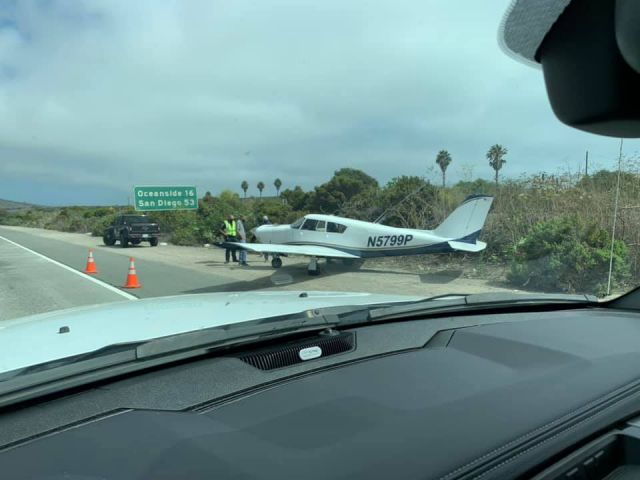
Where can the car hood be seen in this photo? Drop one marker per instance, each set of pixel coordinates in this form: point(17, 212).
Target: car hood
point(36, 339)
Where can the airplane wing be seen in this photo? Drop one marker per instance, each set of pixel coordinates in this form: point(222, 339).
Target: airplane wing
point(305, 250)
point(468, 247)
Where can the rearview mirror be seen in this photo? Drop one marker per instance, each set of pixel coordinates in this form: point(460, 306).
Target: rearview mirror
point(591, 63)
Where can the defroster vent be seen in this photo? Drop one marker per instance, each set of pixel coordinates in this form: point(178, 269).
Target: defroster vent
point(284, 355)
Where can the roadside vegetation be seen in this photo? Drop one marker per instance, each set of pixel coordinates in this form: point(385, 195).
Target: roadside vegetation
point(544, 232)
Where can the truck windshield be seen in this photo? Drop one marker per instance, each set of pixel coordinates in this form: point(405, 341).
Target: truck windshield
point(138, 219)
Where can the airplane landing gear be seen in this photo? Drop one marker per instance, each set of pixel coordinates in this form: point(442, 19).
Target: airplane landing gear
point(313, 269)
point(276, 262)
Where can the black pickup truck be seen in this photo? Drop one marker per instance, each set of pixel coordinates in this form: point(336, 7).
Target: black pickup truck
point(132, 229)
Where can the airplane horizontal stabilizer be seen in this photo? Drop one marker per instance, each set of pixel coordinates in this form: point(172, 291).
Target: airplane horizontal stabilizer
point(468, 247)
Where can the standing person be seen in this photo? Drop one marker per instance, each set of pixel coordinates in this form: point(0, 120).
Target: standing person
point(265, 221)
point(242, 238)
point(229, 231)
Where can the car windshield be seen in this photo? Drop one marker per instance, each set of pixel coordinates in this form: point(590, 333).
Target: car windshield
point(202, 150)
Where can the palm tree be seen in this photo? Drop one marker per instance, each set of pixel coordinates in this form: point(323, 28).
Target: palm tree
point(443, 159)
point(277, 183)
point(244, 186)
point(260, 187)
point(495, 155)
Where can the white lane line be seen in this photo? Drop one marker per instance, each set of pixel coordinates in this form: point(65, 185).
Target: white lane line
point(73, 270)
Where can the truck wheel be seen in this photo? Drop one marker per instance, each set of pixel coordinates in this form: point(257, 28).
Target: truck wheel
point(124, 242)
point(109, 240)
point(276, 262)
point(153, 242)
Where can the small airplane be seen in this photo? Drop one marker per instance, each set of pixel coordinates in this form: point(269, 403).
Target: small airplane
point(330, 237)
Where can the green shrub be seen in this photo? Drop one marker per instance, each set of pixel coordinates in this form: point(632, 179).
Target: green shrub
point(99, 224)
point(568, 255)
point(276, 210)
point(187, 235)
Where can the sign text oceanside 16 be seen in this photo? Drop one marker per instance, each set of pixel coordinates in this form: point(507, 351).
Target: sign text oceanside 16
point(155, 198)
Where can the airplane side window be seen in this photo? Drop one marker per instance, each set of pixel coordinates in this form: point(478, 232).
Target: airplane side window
point(335, 227)
point(321, 227)
point(309, 224)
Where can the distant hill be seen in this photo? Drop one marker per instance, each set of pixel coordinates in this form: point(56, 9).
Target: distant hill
point(12, 206)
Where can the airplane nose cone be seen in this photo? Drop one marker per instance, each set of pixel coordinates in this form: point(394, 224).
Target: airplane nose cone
point(256, 233)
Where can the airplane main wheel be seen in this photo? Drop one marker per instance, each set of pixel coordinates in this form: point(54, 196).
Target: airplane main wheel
point(276, 262)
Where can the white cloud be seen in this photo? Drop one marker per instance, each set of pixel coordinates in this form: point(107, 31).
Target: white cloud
point(111, 93)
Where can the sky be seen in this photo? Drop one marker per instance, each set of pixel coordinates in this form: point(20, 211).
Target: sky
point(97, 96)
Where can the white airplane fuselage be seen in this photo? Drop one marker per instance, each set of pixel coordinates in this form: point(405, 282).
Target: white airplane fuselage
point(363, 239)
point(327, 236)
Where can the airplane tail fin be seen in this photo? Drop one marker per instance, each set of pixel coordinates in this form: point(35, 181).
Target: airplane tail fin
point(466, 221)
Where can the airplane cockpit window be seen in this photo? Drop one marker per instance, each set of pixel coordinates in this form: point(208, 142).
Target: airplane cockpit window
point(309, 224)
point(321, 226)
point(297, 223)
point(335, 227)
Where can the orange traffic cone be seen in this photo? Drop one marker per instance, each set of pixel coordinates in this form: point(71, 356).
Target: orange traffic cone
point(91, 264)
point(132, 277)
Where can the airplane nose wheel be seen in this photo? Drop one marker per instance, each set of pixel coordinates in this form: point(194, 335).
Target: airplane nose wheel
point(276, 262)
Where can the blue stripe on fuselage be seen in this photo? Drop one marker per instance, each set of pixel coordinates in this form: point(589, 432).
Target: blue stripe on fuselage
point(442, 247)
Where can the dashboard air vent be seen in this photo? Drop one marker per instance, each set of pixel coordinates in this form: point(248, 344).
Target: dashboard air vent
point(300, 351)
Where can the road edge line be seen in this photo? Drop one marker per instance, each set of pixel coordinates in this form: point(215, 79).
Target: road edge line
point(73, 270)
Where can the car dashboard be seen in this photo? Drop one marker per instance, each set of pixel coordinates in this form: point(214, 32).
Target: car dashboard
point(522, 394)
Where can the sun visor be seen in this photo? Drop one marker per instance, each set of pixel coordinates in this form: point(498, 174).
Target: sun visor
point(587, 50)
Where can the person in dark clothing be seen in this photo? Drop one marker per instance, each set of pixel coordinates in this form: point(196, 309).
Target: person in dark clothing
point(229, 231)
point(242, 238)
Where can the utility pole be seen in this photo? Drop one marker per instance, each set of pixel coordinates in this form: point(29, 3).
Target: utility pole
point(586, 164)
point(615, 216)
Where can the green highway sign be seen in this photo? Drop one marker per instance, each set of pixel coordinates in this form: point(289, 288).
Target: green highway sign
point(156, 198)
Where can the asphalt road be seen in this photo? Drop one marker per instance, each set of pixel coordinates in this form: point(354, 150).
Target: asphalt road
point(30, 283)
point(41, 271)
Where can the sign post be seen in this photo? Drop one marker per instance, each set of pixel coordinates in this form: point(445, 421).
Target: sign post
point(158, 198)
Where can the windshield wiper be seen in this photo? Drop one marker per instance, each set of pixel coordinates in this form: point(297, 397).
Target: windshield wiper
point(246, 332)
point(473, 303)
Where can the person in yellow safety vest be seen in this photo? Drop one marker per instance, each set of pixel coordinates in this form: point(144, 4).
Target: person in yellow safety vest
point(229, 230)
